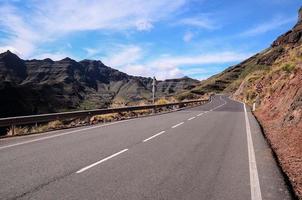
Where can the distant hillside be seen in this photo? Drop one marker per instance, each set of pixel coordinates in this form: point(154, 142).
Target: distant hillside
point(230, 79)
point(277, 73)
point(43, 86)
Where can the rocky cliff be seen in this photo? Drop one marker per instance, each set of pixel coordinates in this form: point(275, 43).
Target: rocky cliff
point(43, 86)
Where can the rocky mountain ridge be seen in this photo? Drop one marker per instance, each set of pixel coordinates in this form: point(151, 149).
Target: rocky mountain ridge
point(43, 86)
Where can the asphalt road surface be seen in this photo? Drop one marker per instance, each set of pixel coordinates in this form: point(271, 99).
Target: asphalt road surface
point(214, 151)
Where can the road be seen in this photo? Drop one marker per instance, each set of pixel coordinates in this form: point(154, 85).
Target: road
point(213, 151)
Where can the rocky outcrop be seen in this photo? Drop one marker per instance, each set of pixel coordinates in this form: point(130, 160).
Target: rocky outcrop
point(294, 36)
point(42, 86)
point(12, 68)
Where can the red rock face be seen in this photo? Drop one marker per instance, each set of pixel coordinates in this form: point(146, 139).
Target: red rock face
point(280, 110)
point(280, 114)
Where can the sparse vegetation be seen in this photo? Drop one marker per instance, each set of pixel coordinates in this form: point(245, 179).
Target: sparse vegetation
point(87, 105)
point(18, 131)
point(288, 68)
point(39, 128)
point(162, 101)
point(184, 96)
point(250, 96)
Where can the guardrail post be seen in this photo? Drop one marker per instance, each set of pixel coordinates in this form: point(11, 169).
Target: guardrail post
point(254, 106)
point(13, 127)
point(154, 110)
point(88, 118)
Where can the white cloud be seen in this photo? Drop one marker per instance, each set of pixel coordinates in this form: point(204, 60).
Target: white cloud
point(147, 70)
point(90, 52)
point(200, 22)
point(210, 58)
point(22, 38)
point(50, 19)
point(137, 70)
point(123, 55)
point(11, 49)
point(178, 66)
point(188, 36)
point(144, 25)
point(129, 60)
point(268, 26)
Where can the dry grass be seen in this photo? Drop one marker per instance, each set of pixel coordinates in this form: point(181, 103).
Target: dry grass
point(25, 130)
point(18, 131)
point(162, 101)
point(118, 116)
point(105, 118)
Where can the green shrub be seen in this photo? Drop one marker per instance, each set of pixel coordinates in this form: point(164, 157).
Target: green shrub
point(288, 68)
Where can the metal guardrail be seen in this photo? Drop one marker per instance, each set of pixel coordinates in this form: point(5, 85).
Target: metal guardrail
point(34, 119)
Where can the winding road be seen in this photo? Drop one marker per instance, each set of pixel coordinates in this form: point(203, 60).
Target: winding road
point(213, 151)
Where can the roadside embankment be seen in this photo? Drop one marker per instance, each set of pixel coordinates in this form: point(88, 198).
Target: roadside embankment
point(280, 114)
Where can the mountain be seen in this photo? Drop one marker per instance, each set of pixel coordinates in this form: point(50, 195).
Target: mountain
point(43, 86)
point(230, 79)
point(272, 79)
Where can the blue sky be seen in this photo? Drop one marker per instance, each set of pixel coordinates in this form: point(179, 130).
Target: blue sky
point(165, 38)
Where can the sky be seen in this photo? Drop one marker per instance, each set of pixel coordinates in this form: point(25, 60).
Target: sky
point(161, 38)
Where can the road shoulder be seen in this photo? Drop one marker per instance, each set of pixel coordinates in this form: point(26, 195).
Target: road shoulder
point(272, 181)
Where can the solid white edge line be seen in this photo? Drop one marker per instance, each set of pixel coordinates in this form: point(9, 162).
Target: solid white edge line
point(177, 125)
point(101, 161)
point(200, 114)
point(191, 118)
point(154, 136)
point(254, 178)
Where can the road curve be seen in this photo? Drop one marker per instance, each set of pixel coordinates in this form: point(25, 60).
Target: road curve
point(214, 151)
